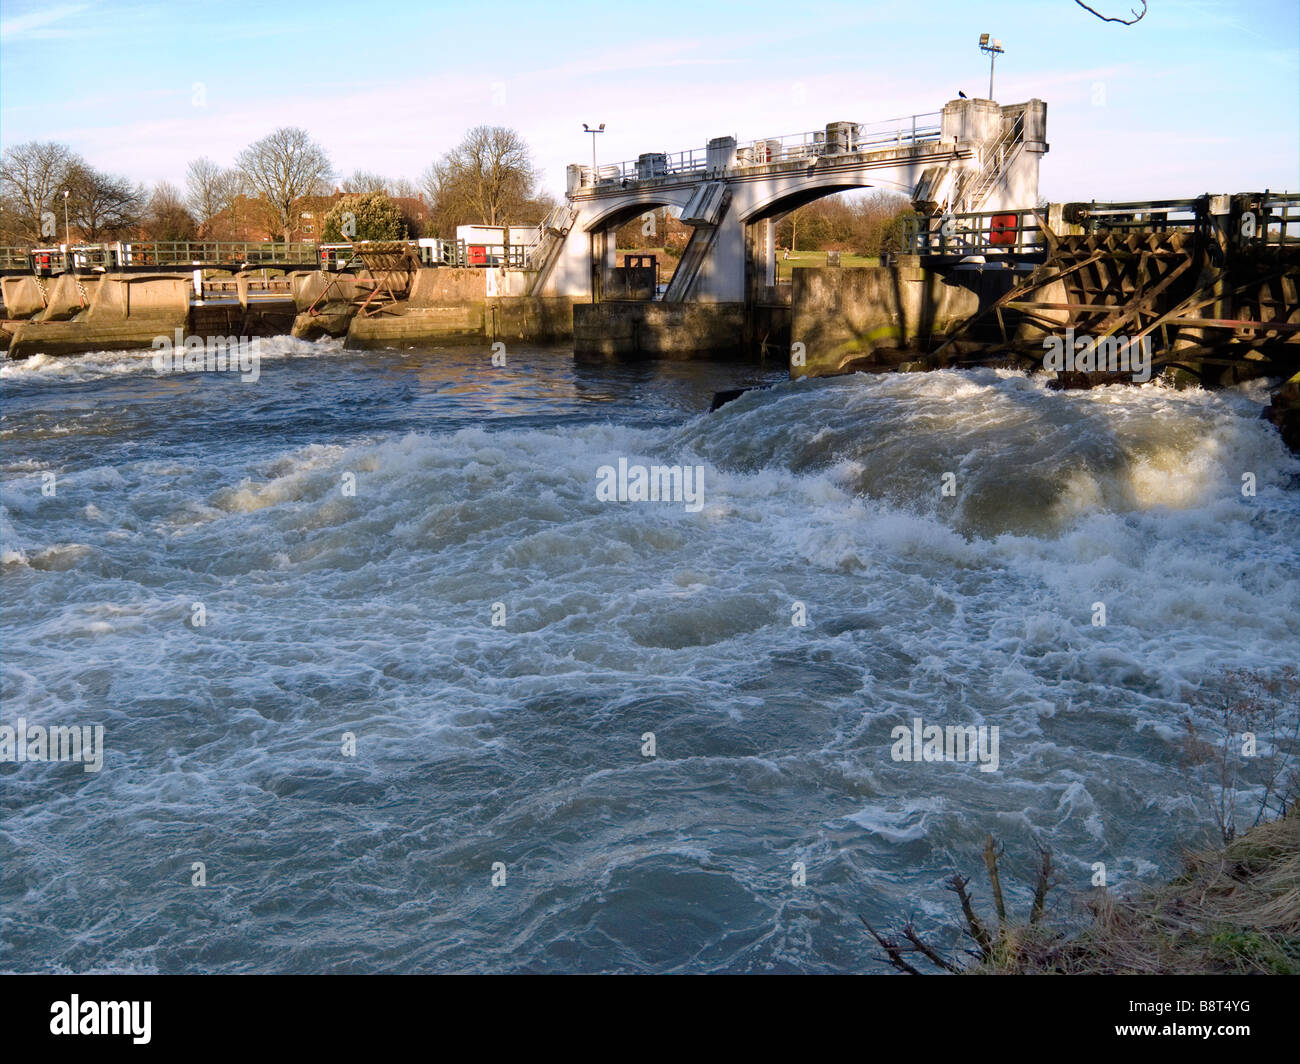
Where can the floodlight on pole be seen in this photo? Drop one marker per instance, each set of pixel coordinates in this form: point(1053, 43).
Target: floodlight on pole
point(67, 226)
point(599, 129)
point(993, 48)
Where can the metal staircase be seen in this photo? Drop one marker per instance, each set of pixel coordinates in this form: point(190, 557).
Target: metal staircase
point(542, 256)
point(975, 184)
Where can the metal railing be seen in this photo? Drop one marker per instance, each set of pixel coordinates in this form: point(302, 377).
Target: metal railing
point(976, 182)
point(510, 256)
point(198, 254)
point(665, 165)
point(434, 251)
point(61, 258)
point(551, 233)
point(1280, 223)
point(848, 139)
point(838, 139)
point(444, 253)
point(1011, 232)
point(1140, 216)
point(1274, 221)
point(186, 252)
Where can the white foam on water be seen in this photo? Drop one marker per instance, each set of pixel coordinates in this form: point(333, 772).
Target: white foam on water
point(371, 613)
point(98, 365)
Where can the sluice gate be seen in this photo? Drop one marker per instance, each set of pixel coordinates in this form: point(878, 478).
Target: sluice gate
point(1212, 295)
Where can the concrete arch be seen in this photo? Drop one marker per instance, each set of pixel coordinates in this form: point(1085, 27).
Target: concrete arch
point(625, 209)
point(808, 191)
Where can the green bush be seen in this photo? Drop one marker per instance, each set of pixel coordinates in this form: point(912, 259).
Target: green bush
point(374, 215)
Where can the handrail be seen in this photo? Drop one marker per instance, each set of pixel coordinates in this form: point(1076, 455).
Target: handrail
point(977, 233)
point(165, 253)
point(993, 160)
point(184, 252)
point(908, 129)
point(334, 256)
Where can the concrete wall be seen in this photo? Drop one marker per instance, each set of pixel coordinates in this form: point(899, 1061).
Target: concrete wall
point(126, 311)
point(658, 330)
point(501, 282)
point(969, 121)
point(530, 318)
point(23, 296)
point(77, 337)
point(875, 316)
point(452, 324)
point(122, 296)
point(69, 296)
point(1017, 188)
point(445, 284)
point(473, 322)
point(448, 306)
point(722, 275)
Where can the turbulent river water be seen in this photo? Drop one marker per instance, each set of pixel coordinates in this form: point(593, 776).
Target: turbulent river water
point(519, 749)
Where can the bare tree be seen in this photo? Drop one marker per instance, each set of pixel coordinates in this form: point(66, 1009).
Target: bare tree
point(362, 183)
point(210, 190)
point(438, 192)
point(33, 177)
point(862, 225)
point(486, 178)
point(281, 169)
point(166, 217)
point(104, 206)
point(401, 188)
point(1137, 15)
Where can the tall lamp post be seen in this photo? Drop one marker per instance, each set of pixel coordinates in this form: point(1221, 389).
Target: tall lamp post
point(599, 129)
point(993, 48)
point(67, 226)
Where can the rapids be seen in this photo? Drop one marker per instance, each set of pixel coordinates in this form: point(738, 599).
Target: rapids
point(329, 613)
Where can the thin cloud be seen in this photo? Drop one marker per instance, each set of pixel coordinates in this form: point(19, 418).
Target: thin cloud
point(37, 24)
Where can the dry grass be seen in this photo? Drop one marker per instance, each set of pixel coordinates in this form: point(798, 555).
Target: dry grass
point(1233, 911)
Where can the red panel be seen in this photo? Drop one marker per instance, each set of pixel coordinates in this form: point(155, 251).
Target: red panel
point(1002, 229)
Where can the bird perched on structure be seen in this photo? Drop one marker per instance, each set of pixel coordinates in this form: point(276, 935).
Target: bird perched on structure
point(961, 94)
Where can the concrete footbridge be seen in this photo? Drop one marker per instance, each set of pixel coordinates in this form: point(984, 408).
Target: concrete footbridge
point(973, 156)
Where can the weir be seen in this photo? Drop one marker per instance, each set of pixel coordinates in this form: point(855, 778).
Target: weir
point(75, 313)
point(972, 153)
point(1207, 285)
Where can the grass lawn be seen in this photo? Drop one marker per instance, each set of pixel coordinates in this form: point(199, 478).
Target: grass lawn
point(818, 258)
point(666, 259)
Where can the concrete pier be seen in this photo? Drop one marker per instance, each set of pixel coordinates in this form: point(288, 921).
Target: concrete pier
point(119, 312)
point(73, 314)
point(659, 330)
point(879, 317)
point(442, 305)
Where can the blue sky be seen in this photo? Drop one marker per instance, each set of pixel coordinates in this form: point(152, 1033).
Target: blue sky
point(1199, 96)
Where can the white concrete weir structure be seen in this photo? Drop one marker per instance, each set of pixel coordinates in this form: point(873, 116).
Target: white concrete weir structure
point(974, 155)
